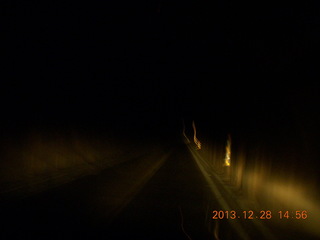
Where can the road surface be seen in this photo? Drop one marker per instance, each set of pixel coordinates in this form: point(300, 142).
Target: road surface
point(155, 196)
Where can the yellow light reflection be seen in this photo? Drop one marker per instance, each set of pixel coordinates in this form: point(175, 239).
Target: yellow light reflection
point(196, 141)
point(227, 159)
point(262, 181)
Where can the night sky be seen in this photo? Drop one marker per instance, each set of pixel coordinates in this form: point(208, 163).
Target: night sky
point(143, 66)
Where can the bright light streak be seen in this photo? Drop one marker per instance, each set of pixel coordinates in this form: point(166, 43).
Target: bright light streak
point(227, 160)
point(262, 183)
point(196, 141)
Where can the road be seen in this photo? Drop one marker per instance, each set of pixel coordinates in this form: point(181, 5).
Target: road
point(155, 196)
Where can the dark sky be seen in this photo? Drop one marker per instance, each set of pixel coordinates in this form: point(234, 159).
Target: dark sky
point(147, 64)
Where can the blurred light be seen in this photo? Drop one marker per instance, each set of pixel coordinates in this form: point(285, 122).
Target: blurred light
point(196, 141)
point(228, 152)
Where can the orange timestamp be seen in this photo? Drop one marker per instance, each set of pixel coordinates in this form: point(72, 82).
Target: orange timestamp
point(263, 214)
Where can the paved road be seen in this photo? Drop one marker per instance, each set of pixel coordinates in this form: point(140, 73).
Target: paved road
point(156, 196)
point(173, 205)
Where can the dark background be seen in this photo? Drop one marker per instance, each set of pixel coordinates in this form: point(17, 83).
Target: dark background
point(142, 66)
